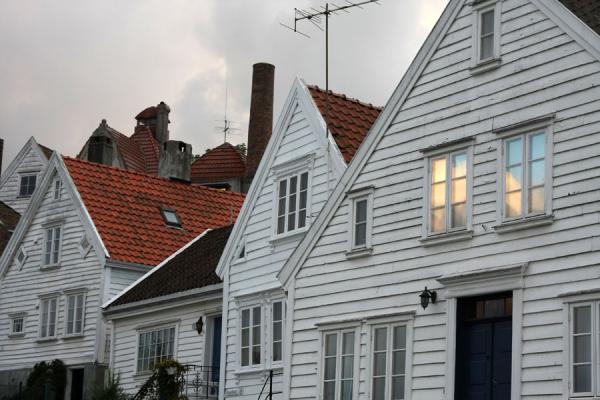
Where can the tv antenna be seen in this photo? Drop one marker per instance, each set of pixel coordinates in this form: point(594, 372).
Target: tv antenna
point(226, 128)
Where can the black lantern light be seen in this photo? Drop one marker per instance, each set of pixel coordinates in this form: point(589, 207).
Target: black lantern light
point(198, 325)
point(426, 296)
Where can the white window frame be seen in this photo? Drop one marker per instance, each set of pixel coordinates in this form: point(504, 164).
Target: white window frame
point(68, 296)
point(43, 334)
point(286, 215)
point(271, 340)
point(288, 170)
point(84, 246)
point(26, 175)
point(261, 324)
point(21, 263)
point(16, 316)
point(479, 8)
point(47, 228)
point(390, 326)
point(151, 328)
point(595, 348)
point(354, 197)
point(339, 330)
point(525, 132)
point(56, 189)
point(464, 146)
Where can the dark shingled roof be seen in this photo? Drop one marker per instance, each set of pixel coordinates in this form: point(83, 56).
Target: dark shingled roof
point(8, 222)
point(193, 268)
point(586, 10)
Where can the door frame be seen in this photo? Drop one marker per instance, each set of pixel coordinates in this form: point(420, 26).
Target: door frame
point(69, 382)
point(209, 319)
point(479, 283)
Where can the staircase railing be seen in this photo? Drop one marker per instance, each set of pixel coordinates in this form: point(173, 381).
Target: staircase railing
point(269, 381)
point(201, 382)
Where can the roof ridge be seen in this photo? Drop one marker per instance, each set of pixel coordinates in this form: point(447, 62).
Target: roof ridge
point(346, 98)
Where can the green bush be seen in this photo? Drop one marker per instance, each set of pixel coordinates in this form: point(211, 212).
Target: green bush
point(111, 390)
point(46, 381)
point(165, 383)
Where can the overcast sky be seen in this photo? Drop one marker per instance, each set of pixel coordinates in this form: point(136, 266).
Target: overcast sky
point(65, 65)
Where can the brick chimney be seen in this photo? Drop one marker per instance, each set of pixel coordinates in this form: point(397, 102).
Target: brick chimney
point(1, 154)
point(175, 160)
point(260, 126)
point(157, 119)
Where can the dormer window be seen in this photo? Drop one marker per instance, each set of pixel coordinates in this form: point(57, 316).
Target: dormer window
point(486, 35)
point(27, 185)
point(171, 218)
point(292, 198)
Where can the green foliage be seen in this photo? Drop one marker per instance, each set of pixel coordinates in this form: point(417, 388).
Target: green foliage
point(165, 383)
point(45, 381)
point(241, 148)
point(111, 390)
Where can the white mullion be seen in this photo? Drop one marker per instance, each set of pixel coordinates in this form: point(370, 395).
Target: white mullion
point(448, 184)
point(287, 206)
point(298, 190)
point(525, 177)
point(388, 368)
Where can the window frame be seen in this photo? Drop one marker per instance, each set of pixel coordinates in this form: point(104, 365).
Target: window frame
point(47, 228)
point(56, 189)
point(594, 349)
point(261, 342)
point(43, 335)
point(354, 197)
point(480, 8)
point(23, 175)
point(390, 326)
point(447, 151)
point(166, 210)
point(271, 341)
point(525, 133)
point(83, 309)
point(339, 331)
point(286, 231)
point(151, 328)
point(13, 317)
point(21, 263)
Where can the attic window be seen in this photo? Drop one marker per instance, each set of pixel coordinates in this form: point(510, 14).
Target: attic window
point(21, 257)
point(242, 253)
point(170, 217)
point(84, 246)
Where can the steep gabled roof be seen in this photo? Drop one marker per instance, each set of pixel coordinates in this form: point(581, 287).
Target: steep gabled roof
point(222, 162)
point(349, 120)
point(125, 208)
point(192, 267)
point(139, 152)
point(8, 221)
point(586, 10)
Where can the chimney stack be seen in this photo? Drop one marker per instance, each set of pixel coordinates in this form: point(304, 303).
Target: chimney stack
point(162, 122)
point(1, 154)
point(260, 126)
point(175, 160)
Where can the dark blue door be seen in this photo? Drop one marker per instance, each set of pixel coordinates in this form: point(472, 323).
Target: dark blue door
point(216, 349)
point(484, 348)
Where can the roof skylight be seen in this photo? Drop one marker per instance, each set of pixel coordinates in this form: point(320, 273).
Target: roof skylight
point(170, 217)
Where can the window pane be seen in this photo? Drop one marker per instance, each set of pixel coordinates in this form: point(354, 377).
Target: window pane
point(255, 354)
point(537, 146)
point(582, 319)
point(438, 170)
point(379, 389)
point(281, 224)
point(245, 318)
point(536, 200)
point(438, 195)
point(256, 316)
point(282, 188)
point(361, 211)
point(245, 357)
point(347, 390)
point(277, 308)
point(582, 375)
point(304, 181)
point(256, 335)
point(459, 165)
point(277, 331)
point(582, 349)
point(400, 337)
point(291, 221)
point(329, 368)
point(303, 200)
point(487, 47)
point(302, 219)
point(331, 344)
point(329, 391)
point(513, 204)
point(398, 362)
point(379, 361)
point(459, 190)
point(277, 351)
point(487, 22)
point(380, 339)
point(348, 343)
point(360, 234)
point(537, 173)
point(514, 178)
point(459, 215)
point(347, 367)
point(398, 388)
point(515, 151)
point(245, 337)
point(438, 220)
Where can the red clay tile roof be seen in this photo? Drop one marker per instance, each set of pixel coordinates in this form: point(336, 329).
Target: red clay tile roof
point(139, 152)
point(349, 120)
point(193, 268)
point(125, 207)
point(586, 10)
point(220, 163)
point(8, 222)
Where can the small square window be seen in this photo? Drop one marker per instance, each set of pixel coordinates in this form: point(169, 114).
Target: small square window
point(27, 185)
point(171, 218)
point(17, 325)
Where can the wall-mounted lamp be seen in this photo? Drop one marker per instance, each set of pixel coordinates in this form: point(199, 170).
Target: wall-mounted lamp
point(198, 325)
point(426, 296)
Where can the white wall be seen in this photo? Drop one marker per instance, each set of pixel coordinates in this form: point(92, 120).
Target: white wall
point(543, 71)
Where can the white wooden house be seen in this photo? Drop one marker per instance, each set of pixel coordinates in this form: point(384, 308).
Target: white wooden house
point(300, 167)
point(88, 233)
point(178, 305)
point(19, 180)
point(480, 182)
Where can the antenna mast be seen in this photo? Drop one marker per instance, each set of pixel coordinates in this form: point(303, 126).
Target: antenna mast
point(227, 127)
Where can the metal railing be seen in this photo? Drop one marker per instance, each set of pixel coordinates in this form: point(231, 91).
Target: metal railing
point(200, 382)
point(269, 381)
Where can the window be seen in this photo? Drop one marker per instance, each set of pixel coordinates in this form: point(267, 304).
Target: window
point(486, 35)
point(525, 175)
point(155, 346)
point(48, 314)
point(84, 246)
point(52, 245)
point(277, 331)
point(388, 372)
point(251, 336)
point(170, 217)
point(17, 324)
point(338, 365)
point(57, 189)
point(27, 186)
point(292, 199)
point(360, 222)
point(21, 257)
point(75, 314)
point(448, 192)
point(584, 353)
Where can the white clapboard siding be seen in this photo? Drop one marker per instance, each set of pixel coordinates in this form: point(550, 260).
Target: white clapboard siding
point(189, 346)
point(264, 258)
point(29, 160)
point(544, 71)
point(20, 290)
point(121, 279)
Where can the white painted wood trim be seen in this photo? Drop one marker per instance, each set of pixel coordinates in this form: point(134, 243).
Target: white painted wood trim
point(288, 345)
point(31, 144)
point(484, 281)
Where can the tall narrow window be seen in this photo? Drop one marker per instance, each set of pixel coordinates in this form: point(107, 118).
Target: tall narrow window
point(524, 175)
point(277, 338)
point(389, 362)
point(27, 185)
point(360, 222)
point(448, 193)
point(582, 345)
point(52, 245)
point(338, 365)
point(57, 189)
point(48, 314)
point(75, 314)
point(292, 199)
point(251, 336)
point(486, 35)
